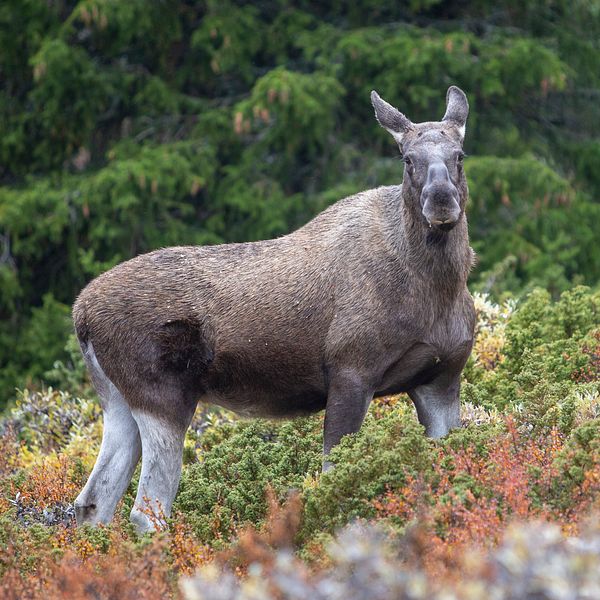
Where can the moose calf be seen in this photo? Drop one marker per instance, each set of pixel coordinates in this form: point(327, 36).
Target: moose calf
point(369, 298)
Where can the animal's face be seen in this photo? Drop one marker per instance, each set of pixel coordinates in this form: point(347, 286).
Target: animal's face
point(433, 157)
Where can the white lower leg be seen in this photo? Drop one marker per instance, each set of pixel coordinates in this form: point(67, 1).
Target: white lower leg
point(438, 407)
point(162, 448)
point(119, 454)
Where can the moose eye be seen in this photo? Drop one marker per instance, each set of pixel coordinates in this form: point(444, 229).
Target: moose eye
point(460, 157)
point(407, 161)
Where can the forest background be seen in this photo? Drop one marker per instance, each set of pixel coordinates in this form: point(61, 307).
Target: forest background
point(128, 126)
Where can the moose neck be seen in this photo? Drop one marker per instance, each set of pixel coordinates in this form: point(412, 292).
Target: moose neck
point(441, 260)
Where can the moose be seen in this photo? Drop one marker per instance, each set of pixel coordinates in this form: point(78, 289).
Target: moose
point(367, 299)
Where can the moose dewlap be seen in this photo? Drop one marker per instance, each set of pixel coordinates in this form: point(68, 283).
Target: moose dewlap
point(368, 298)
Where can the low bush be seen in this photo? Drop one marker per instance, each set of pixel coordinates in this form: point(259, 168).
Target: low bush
point(226, 488)
point(387, 451)
point(532, 561)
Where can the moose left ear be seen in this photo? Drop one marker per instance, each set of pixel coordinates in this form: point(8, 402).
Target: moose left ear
point(390, 118)
point(457, 109)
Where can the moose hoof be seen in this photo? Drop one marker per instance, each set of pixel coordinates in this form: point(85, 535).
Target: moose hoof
point(328, 466)
point(141, 522)
point(85, 513)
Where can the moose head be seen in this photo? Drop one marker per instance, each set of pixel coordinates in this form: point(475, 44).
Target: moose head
point(434, 178)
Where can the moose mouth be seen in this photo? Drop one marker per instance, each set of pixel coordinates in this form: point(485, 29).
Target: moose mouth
point(440, 201)
point(442, 225)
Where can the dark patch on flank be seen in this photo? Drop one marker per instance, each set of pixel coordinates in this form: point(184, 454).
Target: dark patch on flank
point(183, 347)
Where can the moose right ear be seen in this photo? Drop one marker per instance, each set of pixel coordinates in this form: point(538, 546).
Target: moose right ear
point(457, 109)
point(390, 118)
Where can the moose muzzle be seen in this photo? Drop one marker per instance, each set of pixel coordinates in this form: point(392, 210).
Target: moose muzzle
point(439, 198)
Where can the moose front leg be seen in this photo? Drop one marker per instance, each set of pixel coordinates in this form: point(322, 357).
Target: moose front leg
point(348, 400)
point(438, 404)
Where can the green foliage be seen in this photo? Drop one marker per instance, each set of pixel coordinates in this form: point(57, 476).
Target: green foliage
point(579, 459)
point(223, 50)
point(70, 373)
point(544, 350)
point(519, 204)
point(24, 26)
point(51, 420)
point(97, 537)
point(384, 453)
point(135, 31)
point(476, 436)
point(226, 489)
point(282, 97)
point(41, 341)
point(67, 100)
point(541, 323)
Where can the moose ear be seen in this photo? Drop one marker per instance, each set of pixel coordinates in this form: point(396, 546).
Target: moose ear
point(457, 109)
point(390, 118)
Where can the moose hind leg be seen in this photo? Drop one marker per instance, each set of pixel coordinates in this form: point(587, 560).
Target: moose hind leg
point(438, 405)
point(162, 449)
point(119, 453)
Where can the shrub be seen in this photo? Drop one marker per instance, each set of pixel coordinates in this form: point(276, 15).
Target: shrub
point(576, 485)
point(547, 347)
point(385, 452)
point(482, 478)
point(51, 419)
point(44, 492)
point(534, 561)
point(227, 487)
point(133, 575)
